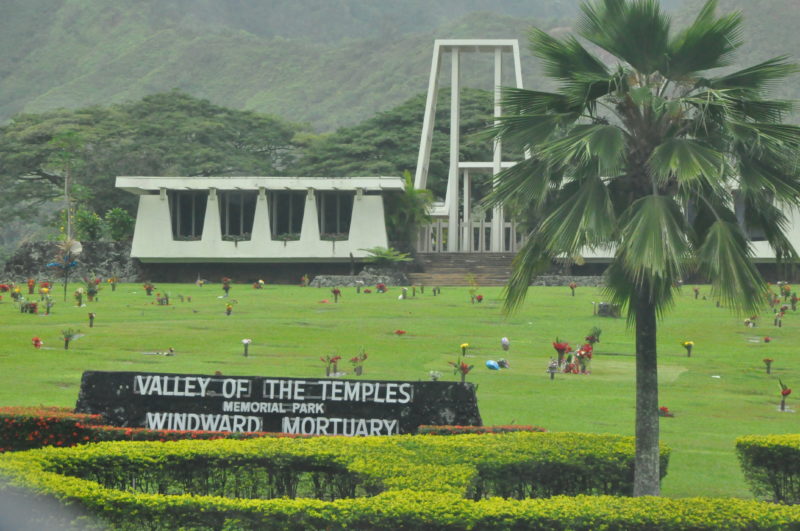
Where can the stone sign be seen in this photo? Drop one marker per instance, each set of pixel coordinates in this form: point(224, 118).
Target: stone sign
point(290, 405)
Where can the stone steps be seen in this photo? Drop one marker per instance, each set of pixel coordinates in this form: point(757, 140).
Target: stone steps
point(453, 269)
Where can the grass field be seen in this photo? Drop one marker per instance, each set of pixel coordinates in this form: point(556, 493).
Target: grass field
point(719, 393)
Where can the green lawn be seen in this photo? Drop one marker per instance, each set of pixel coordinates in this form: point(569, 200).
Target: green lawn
point(719, 393)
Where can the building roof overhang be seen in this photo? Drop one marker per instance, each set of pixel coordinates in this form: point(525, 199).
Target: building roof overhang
point(144, 185)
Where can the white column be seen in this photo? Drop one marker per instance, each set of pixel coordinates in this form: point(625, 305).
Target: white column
point(466, 228)
point(497, 212)
point(455, 141)
point(424, 156)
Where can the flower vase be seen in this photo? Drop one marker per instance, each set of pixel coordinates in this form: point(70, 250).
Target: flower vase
point(113, 286)
point(783, 404)
point(560, 358)
point(688, 351)
point(358, 370)
point(66, 344)
point(327, 371)
point(245, 349)
point(335, 369)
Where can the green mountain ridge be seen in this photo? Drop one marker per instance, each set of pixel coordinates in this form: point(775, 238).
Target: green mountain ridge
point(327, 63)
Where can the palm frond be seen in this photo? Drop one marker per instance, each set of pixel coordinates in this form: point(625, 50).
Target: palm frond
point(527, 182)
point(636, 32)
point(622, 290)
point(755, 78)
point(653, 240)
point(566, 59)
point(528, 129)
point(760, 213)
point(606, 143)
point(762, 173)
point(533, 258)
point(707, 43)
point(523, 101)
point(687, 160)
point(585, 217)
point(724, 258)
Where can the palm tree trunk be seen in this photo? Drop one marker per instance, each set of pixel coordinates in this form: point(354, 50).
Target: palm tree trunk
point(646, 473)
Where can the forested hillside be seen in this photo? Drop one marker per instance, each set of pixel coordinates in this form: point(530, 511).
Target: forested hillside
point(323, 62)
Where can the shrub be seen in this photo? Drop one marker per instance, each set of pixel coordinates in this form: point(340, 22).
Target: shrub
point(771, 466)
point(460, 430)
point(120, 224)
point(31, 427)
point(88, 225)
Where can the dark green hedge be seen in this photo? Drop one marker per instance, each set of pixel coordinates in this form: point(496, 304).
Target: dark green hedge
point(771, 465)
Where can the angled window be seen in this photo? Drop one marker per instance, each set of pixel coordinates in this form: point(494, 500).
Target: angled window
point(187, 212)
point(334, 211)
point(286, 211)
point(237, 209)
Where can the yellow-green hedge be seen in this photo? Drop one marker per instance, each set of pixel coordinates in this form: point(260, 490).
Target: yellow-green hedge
point(771, 465)
point(403, 482)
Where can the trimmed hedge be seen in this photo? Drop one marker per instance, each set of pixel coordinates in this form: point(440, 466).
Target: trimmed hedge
point(771, 465)
point(459, 430)
point(26, 428)
point(205, 483)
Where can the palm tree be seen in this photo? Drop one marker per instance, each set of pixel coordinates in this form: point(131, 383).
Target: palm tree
point(648, 159)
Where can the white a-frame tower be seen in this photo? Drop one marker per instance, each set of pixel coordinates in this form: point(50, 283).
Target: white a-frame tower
point(460, 233)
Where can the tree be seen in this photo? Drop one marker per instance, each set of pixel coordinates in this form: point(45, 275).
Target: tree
point(406, 212)
point(388, 143)
point(162, 134)
point(651, 157)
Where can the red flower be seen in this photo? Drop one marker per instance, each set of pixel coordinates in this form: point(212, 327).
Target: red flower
point(37, 342)
point(767, 339)
point(399, 332)
point(479, 298)
point(561, 346)
point(786, 392)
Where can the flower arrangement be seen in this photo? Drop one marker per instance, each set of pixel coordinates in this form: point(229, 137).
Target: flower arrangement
point(479, 298)
point(785, 391)
point(400, 332)
point(768, 363)
point(336, 292)
point(78, 297)
point(226, 285)
point(688, 345)
point(16, 294)
point(148, 287)
point(5, 288)
point(228, 309)
point(552, 368)
point(584, 358)
point(505, 343)
point(246, 343)
point(462, 368)
point(358, 362)
point(786, 291)
point(767, 339)
point(37, 342)
point(31, 285)
point(69, 334)
point(594, 336)
point(562, 347)
point(572, 286)
point(434, 375)
point(381, 287)
point(331, 364)
point(112, 281)
point(92, 315)
point(367, 290)
point(696, 291)
point(304, 281)
point(464, 347)
point(664, 411)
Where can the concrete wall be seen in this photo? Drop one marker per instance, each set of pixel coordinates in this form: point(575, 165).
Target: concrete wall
point(153, 242)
